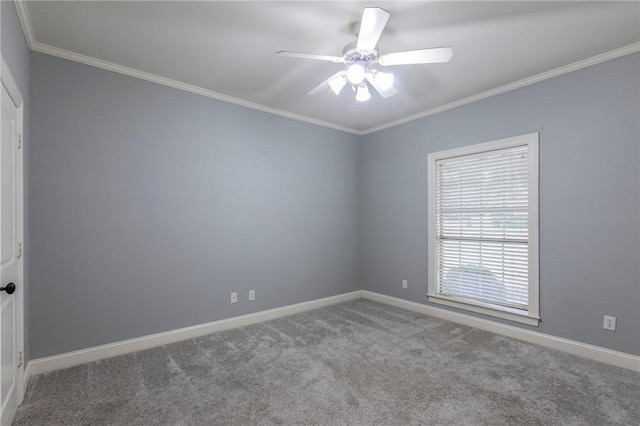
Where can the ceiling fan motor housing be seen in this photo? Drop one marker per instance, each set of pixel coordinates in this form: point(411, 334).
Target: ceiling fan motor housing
point(352, 55)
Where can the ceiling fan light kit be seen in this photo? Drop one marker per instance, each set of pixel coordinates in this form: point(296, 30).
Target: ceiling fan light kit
point(362, 94)
point(360, 56)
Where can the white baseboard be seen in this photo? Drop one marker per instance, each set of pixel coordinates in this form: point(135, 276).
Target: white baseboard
point(26, 376)
point(607, 356)
point(83, 356)
point(71, 359)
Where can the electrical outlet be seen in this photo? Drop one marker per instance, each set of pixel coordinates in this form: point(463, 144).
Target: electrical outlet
point(609, 323)
point(234, 297)
point(404, 283)
point(252, 295)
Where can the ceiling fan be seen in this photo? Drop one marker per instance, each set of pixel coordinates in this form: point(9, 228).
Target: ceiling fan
point(361, 57)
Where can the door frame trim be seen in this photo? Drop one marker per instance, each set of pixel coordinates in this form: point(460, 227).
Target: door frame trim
point(9, 83)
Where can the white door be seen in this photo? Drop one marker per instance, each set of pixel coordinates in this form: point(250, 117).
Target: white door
point(11, 262)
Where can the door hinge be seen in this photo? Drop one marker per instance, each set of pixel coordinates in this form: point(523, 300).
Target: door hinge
point(20, 245)
point(20, 359)
point(20, 141)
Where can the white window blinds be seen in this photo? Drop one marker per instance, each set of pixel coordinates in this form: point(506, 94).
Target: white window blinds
point(482, 231)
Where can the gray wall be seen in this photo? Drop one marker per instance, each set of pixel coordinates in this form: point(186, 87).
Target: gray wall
point(16, 52)
point(589, 190)
point(150, 205)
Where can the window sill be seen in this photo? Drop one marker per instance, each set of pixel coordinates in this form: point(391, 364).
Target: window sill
point(515, 315)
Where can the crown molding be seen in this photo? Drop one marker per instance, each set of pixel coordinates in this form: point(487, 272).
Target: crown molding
point(9, 83)
point(626, 50)
point(27, 28)
point(25, 21)
point(131, 72)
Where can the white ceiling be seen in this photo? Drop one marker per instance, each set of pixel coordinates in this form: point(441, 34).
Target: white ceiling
point(226, 49)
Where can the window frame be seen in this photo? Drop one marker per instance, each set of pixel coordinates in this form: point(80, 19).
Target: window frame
point(532, 315)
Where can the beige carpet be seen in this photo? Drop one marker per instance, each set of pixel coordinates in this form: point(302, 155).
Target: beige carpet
point(356, 363)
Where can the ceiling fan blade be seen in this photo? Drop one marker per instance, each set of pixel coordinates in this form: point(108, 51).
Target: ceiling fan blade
point(373, 22)
point(310, 56)
point(327, 84)
point(386, 90)
point(423, 56)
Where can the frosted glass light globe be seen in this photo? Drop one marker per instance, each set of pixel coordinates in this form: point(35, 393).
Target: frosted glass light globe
point(363, 95)
point(355, 74)
point(337, 83)
point(384, 80)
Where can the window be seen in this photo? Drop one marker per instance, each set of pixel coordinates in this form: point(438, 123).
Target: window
point(483, 228)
